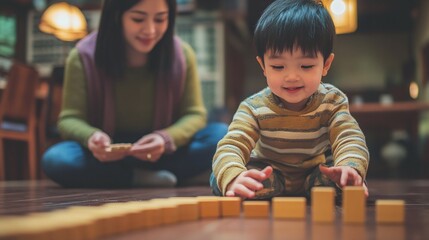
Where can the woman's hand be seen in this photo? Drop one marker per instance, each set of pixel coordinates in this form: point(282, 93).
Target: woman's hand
point(343, 176)
point(148, 148)
point(248, 182)
point(98, 143)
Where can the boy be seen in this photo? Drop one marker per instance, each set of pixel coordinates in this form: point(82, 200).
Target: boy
point(281, 139)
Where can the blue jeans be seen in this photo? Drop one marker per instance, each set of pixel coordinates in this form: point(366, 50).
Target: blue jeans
point(71, 165)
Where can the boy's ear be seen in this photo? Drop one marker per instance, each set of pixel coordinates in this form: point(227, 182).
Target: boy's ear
point(261, 63)
point(327, 64)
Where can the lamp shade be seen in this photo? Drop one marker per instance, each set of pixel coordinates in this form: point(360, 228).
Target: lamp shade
point(343, 13)
point(64, 21)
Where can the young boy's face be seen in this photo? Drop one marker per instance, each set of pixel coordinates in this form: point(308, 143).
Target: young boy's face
point(293, 76)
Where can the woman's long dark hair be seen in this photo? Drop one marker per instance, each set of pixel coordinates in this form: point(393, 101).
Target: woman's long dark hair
point(110, 53)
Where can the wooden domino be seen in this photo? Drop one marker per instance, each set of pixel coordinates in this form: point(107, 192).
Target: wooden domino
point(22, 227)
point(230, 206)
point(322, 204)
point(289, 207)
point(169, 210)
point(187, 207)
point(209, 206)
point(389, 211)
point(256, 209)
point(354, 204)
point(98, 222)
point(119, 147)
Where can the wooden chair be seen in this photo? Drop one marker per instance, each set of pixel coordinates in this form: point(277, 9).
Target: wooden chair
point(48, 131)
point(18, 116)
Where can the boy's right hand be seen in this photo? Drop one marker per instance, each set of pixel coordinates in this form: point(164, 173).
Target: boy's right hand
point(248, 182)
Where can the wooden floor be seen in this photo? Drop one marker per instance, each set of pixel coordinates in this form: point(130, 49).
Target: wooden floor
point(21, 197)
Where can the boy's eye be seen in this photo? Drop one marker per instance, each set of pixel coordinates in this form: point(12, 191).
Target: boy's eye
point(307, 66)
point(277, 67)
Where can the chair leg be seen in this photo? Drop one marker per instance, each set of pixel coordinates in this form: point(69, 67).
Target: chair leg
point(32, 159)
point(2, 162)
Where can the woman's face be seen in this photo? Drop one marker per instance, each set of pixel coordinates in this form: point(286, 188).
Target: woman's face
point(144, 24)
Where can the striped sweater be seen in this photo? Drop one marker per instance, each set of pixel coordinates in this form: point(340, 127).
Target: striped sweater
point(292, 142)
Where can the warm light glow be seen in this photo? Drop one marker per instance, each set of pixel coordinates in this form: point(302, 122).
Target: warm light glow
point(64, 21)
point(414, 90)
point(343, 13)
point(338, 7)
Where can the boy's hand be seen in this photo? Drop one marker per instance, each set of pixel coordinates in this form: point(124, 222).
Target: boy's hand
point(248, 182)
point(343, 176)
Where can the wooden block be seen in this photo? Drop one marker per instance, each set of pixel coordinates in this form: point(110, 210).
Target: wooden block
point(256, 209)
point(289, 207)
point(74, 224)
point(50, 225)
point(101, 226)
point(188, 209)
point(117, 147)
point(354, 204)
point(65, 224)
point(209, 206)
point(149, 214)
point(323, 204)
point(169, 209)
point(389, 211)
point(115, 216)
point(230, 206)
point(22, 227)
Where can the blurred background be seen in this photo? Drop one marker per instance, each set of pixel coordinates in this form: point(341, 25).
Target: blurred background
point(381, 63)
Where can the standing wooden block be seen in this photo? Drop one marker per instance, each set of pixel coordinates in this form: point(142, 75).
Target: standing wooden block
point(75, 224)
point(389, 211)
point(322, 204)
point(354, 204)
point(209, 206)
point(23, 227)
point(256, 209)
point(289, 207)
point(143, 214)
point(187, 208)
point(100, 226)
point(230, 206)
point(169, 210)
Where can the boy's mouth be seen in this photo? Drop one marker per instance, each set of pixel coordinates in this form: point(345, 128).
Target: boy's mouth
point(292, 89)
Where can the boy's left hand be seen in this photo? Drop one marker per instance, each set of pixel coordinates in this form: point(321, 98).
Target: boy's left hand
point(343, 176)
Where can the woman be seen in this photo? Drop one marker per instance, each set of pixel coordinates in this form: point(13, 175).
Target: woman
point(134, 82)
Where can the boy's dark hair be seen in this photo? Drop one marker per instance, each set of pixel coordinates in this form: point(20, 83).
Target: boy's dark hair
point(110, 53)
point(287, 24)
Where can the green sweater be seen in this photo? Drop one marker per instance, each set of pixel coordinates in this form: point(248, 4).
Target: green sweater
point(133, 99)
point(292, 142)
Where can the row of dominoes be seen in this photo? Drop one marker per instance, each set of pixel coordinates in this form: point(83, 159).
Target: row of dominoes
point(92, 222)
point(323, 204)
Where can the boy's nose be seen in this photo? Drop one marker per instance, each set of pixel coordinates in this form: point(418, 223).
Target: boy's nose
point(291, 77)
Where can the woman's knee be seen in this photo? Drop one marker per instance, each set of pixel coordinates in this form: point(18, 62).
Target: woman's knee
point(213, 132)
point(61, 156)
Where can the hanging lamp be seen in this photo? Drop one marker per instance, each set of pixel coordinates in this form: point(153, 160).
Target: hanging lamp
point(343, 13)
point(64, 21)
